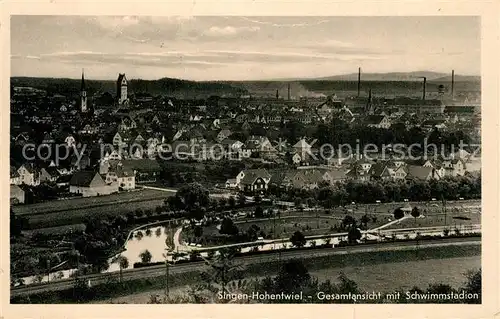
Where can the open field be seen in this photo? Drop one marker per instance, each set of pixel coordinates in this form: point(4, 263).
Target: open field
point(58, 230)
point(90, 202)
point(75, 216)
point(440, 220)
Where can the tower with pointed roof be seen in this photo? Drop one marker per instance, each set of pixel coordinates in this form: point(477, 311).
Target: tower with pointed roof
point(83, 96)
point(121, 88)
point(370, 109)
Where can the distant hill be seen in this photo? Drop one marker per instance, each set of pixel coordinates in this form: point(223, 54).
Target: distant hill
point(165, 86)
point(394, 76)
point(391, 76)
point(459, 78)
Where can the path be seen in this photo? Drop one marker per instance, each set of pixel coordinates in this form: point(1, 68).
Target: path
point(173, 190)
point(397, 221)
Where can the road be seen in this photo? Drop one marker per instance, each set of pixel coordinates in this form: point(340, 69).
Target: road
point(173, 190)
point(157, 271)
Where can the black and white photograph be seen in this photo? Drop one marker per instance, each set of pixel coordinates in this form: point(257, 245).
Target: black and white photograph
point(234, 159)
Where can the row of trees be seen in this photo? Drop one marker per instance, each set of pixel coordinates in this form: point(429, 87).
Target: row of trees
point(341, 193)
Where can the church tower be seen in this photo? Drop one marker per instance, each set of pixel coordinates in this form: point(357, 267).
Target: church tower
point(83, 96)
point(369, 108)
point(121, 88)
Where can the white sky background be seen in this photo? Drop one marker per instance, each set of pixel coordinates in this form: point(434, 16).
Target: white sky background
point(240, 48)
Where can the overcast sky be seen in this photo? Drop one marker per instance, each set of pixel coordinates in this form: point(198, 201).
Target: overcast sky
point(240, 48)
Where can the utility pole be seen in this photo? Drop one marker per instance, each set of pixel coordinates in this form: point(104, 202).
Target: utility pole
point(167, 267)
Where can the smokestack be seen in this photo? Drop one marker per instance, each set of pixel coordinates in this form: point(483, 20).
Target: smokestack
point(452, 84)
point(359, 80)
point(277, 95)
point(425, 82)
point(288, 91)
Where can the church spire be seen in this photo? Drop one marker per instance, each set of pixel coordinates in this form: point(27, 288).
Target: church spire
point(83, 82)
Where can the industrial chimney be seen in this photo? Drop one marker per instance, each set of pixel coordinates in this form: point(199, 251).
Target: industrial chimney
point(359, 80)
point(277, 94)
point(452, 84)
point(289, 91)
point(425, 84)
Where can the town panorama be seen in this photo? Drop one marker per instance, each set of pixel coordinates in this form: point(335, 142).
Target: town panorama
point(353, 187)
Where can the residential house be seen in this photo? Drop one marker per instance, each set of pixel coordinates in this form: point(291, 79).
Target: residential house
point(125, 177)
point(253, 183)
point(17, 195)
point(232, 148)
point(49, 174)
point(70, 141)
point(29, 174)
point(334, 175)
point(146, 170)
point(231, 183)
point(302, 148)
point(262, 173)
point(358, 173)
point(90, 183)
point(81, 163)
point(400, 173)
point(454, 167)
point(88, 129)
point(382, 171)
point(63, 180)
point(15, 178)
point(223, 134)
point(365, 164)
point(127, 124)
point(378, 121)
point(421, 173)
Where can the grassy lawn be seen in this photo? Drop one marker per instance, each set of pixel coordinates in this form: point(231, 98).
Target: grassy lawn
point(440, 219)
point(75, 216)
point(89, 202)
point(57, 230)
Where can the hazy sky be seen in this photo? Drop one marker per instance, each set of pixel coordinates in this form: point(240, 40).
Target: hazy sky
point(240, 48)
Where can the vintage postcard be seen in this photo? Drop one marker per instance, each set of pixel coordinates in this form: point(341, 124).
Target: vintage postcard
point(264, 158)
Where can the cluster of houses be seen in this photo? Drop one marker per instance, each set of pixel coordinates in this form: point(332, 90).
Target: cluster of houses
point(362, 169)
point(132, 132)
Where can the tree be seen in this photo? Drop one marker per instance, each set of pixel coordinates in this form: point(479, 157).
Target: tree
point(192, 196)
point(353, 235)
point(364, 220)
point(348, 221)
point(292, 277)
point(228, 227)
point(123, 263)
point(222, 268)
point(298, 239)
point(253, 232)
point(347, 285)
point(259, 212)
point(145, 256)
point(242, 199)
point(232, 201)
point(473, 284)
point(398, 213)
point(257, 199)
point(415, 212)
point(17, 224)
point(198, 231)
